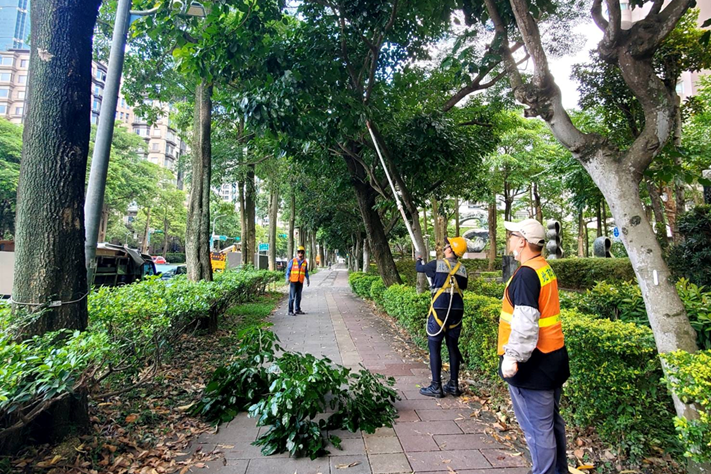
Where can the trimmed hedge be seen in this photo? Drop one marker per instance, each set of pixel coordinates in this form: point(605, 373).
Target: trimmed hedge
point(474, 265)
point(615, 382)
point(360, 283)
point(583, 273)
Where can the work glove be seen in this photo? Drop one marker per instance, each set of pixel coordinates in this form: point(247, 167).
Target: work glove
point(418, 255)
point(509, 367)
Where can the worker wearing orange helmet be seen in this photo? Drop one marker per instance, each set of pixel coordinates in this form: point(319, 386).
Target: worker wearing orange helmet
point(448, 278)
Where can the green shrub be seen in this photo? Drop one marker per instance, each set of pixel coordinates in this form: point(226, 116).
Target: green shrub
point(615, 383)
point(622, 300)
point(410, 309)
point(361, 282)
point(583, 273)
point(474, 265)
point(406, 269)
point(175, 257)
point(480, 329)
point(496, 274)
point(492, 289)
point(697, 302)
point(377, 290)
point(691, 258)
point(689, 376)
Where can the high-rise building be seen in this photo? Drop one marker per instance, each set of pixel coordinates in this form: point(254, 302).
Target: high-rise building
point(14, 24)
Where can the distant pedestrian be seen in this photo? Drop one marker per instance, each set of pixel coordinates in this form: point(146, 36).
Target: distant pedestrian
point(449, 278)
point(296, 272)
point(532, 354)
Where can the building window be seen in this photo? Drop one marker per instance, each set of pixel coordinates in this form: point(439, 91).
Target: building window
point(24, 63)
point(121, 115)
point(3, 109)
point(21, 95)
point(98, 90)
point(19, 110)
point(156, 132)
point(5, 77)
point(123, 102)
point(680, 88)
point(154, 146)
point(4, 92)
point(22, 79)
point(96, 105)
point(8, 61)
point(94, 119)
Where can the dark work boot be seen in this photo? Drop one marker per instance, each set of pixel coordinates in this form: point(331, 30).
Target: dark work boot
point(452, 388)
point(434, 390)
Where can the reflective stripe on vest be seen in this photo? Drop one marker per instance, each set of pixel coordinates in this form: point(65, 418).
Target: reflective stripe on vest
point(550, 331)
point(450, 277)
point(298, 271)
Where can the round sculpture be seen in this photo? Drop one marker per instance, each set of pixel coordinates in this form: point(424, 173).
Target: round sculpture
point(601, 247)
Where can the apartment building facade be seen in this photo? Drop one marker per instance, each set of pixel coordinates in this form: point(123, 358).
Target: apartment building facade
point(14, 24)
point(164, 145)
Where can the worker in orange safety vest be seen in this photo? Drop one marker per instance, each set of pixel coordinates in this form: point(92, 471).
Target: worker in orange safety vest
point(296, 272)
point(533, 359)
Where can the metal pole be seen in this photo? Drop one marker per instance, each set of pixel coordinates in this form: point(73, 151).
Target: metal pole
point(395, 193)
point(104, 135)
point(212, 235)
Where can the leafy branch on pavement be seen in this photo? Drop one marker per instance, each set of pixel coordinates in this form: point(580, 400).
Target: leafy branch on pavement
point(291, 391)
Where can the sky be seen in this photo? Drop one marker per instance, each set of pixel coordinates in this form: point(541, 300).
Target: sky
point(561, 68)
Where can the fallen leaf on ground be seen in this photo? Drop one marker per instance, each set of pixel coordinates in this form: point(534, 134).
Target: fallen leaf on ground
point(572, 470)
point(579, 453)
point(131, 418)
point(346, 466)
point(586, 467)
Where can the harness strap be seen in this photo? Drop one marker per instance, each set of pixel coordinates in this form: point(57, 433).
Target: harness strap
point(445, 287)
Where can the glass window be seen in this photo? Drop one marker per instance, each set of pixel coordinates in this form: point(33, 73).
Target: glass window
point(20, 94)
point(7, 61)
point(156, 132)
point(22, 79)
point(5, 77)
point(94, 119)
point(24, 63)
point(121, 115)
point(3, 109)
point(4, 92)
point(19, 110)
point(96, 105)
point(154, 146)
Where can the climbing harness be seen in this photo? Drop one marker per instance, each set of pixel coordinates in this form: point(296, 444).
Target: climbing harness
point(451, 285)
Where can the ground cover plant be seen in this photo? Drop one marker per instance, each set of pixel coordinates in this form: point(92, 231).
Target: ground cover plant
point(136, 377)
point(288, 391)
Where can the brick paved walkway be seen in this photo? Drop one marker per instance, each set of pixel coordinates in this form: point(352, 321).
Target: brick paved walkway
point(431, 436)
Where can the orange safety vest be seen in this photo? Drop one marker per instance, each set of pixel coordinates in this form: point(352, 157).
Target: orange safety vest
point(298, 271)
point(550, 330)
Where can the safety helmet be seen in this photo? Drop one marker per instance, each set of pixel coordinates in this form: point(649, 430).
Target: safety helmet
point(301, 249)
point(458, 244)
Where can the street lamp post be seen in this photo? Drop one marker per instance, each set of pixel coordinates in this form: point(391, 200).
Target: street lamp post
point(212, 235)
point(107, 116)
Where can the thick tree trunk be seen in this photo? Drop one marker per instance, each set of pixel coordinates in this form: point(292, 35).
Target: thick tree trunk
point(312, 248)
point(492, 222)
point(322, 254)
point(273, 214)
point(581, 234)
point(250, 201)
point(357, 254)
point(366, 255)
point(49, 240)
point(373, 225)
point(197, 230)
point(292, 220)
point(147, 232)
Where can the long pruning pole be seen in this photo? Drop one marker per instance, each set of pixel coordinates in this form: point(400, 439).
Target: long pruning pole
point(395, 193)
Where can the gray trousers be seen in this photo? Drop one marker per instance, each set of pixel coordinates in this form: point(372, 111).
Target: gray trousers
point(538, 414)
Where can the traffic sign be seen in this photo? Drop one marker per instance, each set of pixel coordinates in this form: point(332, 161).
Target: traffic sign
point(263, 247)
point(616, 233)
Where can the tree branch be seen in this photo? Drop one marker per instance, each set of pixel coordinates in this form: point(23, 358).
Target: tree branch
point(614, 27)
point(597, 16)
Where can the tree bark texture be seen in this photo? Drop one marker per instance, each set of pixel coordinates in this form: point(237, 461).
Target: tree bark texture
point(292, 220)
point(660, 225)
point(49, 239)
point(147, 232)
point(312, 248)
point(581, 234)
point(273, 215)
point(598, 216)
point(366, 255)
point(492, 222)
point(250, 202)
point(49, 260)
point(197, 231)
point(373, 225)
point(357, 254)
point(244, 232)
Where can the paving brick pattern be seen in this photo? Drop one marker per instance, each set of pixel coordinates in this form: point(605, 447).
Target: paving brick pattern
point(430, 436)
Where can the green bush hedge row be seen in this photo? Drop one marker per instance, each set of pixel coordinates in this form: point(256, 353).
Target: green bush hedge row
point(615, 383)
point(584, 273)
point(130, 326)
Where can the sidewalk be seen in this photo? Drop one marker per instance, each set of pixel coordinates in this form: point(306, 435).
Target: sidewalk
point(430, 436)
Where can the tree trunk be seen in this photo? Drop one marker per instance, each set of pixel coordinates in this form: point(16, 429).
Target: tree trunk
point(680, 202)
point(273, 215)
point(587, 241)
point(49, 240)
point(357, 254)
point(670, 210)
point(292, 220)
point(598, 216)
point(660, 225)
point(366, 256)
point(250, 201)
point(604, 219)
point(373, 225)
point(147, 232)
point(244, 233)
point(456, 217)
point(322, 254)
point(197, 230)
point(312, 248)
point(537, 203)
point(581, 234)
point(492, 223)
point(439, 235)
point(165, 234)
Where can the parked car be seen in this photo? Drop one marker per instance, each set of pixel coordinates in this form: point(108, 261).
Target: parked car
point(159, 260)
point(169, 271)
point(281, 265)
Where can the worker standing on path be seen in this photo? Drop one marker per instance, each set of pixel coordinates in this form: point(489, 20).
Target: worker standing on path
point(449, 278)
point(532, 355)
point(296, 272)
